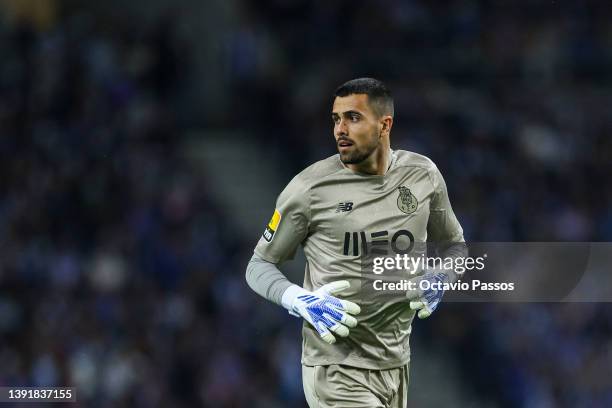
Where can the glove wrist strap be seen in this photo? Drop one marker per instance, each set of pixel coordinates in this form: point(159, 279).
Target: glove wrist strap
point(289, 296)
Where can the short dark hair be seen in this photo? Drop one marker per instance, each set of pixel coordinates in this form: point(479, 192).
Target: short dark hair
point(379, 96)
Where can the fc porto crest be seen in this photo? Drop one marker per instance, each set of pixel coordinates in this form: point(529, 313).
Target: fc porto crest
point(406, 201)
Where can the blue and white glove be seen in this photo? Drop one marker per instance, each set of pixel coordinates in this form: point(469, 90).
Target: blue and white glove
point(427, 300)
point(323, 311)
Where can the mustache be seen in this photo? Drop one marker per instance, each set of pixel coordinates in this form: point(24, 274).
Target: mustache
point(344, 139)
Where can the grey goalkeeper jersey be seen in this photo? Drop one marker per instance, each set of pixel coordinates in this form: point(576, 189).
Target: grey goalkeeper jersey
point(339, 216)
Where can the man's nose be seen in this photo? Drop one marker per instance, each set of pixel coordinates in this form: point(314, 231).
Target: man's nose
point(341, 128)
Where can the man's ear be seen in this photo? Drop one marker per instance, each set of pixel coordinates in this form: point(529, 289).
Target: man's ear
point(386, 122)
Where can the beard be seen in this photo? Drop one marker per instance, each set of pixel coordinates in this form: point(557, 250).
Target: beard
point(358, 154)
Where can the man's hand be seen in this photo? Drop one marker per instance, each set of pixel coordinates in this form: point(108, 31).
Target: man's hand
point(323, 311)
point(426, 301)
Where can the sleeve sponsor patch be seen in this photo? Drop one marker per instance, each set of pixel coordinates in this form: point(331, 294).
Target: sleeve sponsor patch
point(272, 226)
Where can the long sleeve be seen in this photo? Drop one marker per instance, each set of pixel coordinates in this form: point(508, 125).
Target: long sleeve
point(266, 279)
point(444, 229)
point(286, 230)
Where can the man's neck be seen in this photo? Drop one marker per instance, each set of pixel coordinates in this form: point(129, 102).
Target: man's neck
point(376, 164)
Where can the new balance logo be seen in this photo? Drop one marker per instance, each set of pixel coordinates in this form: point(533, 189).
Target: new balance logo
point(344, 207)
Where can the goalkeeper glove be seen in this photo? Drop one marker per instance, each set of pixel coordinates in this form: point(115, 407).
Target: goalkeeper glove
point(323, 311)
point(428, 300)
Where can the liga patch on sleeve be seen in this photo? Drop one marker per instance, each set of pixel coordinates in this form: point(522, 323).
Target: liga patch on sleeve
point(272, 226)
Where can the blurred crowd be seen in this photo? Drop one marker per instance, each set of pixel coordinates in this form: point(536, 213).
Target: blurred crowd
point(110, 241)
point(119, 273)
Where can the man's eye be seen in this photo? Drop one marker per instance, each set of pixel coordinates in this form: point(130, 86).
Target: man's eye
point(354, 118)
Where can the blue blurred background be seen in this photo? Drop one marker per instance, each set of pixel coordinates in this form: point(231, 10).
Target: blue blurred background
point(143, 144)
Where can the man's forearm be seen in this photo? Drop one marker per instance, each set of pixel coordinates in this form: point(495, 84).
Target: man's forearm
point(453, 250)
point(425, 301)
point(266, 279)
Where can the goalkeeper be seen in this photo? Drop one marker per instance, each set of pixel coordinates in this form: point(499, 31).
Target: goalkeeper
point(367, 199)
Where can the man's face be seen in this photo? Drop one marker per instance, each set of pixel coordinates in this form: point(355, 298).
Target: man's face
point(357, 128)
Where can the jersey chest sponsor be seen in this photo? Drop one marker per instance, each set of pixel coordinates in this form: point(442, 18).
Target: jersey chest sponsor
point(378, 243)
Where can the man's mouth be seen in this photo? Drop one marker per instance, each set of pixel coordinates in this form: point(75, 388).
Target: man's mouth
point(344, 143)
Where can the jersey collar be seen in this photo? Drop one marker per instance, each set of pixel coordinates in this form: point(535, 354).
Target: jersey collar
point(392, 155)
